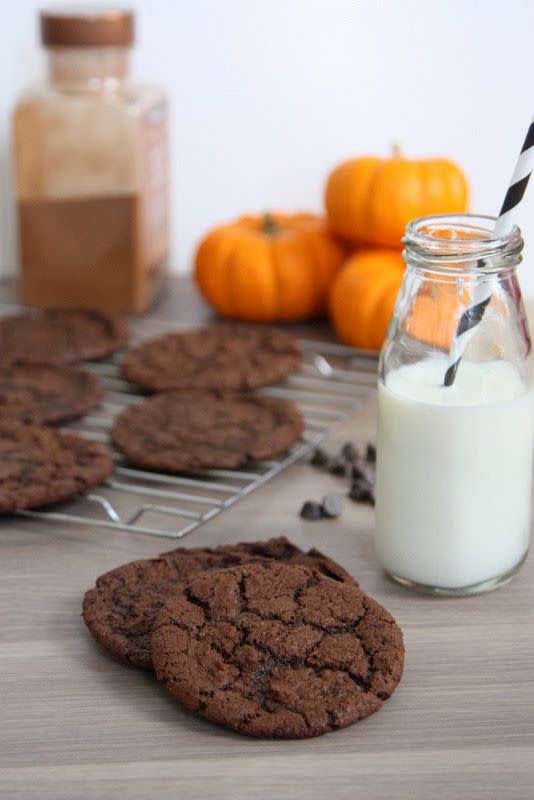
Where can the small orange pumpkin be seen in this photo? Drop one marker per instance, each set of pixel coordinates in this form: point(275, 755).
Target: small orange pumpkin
point(437, 308)
point(363, 296)
point(434, 320)
point(273, 268)
point(370, 200)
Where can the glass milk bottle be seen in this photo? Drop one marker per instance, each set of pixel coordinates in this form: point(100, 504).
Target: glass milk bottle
point(454, 463)
point(91, 169)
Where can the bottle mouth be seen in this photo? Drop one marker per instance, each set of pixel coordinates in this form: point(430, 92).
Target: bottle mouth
point(461, 241)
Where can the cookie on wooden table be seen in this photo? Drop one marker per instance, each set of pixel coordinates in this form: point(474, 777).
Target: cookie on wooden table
point(61, 336)
point(229, 356)
point(190, 430)
point(61, 392)
point(272, 650)
point(39, 466)
point(121, 609)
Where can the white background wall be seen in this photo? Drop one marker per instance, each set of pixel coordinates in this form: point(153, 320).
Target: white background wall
point(267, 95)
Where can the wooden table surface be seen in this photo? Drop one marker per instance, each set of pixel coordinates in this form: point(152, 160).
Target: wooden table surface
point(75, 723)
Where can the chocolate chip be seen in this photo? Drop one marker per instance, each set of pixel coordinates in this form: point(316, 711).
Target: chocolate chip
point(349, 452)
point(338, 466)
point(357, 473)
point(370, 454)
point(319, 457)
point(332, 505)
point(311, 510)
point(361, 491)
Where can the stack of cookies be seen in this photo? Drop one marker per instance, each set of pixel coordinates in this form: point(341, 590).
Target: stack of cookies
point(258, 637)
point(39, 388)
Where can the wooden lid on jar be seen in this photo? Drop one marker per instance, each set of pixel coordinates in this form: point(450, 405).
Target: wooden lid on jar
point(87, 26)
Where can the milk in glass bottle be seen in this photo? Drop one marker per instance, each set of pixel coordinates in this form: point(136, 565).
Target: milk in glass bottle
point(454, 463)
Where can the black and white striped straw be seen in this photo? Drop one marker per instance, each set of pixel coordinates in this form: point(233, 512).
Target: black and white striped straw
point(505, 221)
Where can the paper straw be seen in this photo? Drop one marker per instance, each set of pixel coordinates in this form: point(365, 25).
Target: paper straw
point(505, 222)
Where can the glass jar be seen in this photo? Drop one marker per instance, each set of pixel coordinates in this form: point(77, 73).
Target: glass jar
point(90, 151)
point(454, 463)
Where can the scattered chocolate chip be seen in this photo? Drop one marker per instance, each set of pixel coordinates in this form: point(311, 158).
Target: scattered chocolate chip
point(361, 491)
point(319, 457)
point(332, 505)
point(370, 454)
point(338, 466)
point(311, 510)
point(357, 473)
point(349, 452)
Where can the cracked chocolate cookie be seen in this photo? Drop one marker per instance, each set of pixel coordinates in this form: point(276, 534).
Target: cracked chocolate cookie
point(39, 466)
point(60, 392)
point(272, 650)
point(121, 609)
point(181, 431)
point(225, 356)
point(60, 336)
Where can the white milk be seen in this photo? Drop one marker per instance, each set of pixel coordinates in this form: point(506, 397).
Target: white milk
point(454, 472)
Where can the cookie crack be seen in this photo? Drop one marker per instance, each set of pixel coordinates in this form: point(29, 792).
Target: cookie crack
point(241, 588)
point(196, 601)
point(312, 580)
point(302, 662)
point(363, 684)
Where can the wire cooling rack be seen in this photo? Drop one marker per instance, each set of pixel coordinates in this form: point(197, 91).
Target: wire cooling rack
point(329, 387)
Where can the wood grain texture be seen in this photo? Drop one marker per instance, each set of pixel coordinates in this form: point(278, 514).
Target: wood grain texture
point(75, 723)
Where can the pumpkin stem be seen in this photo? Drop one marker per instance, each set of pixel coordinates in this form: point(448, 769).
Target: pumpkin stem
point(396, 150)
point(269, 225)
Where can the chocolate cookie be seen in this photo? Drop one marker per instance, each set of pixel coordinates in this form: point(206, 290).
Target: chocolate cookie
point(61, 392)
point(61, 336)
point(18, 407)
point(180, 431)
point(272, 650)
point(227, 356)
point(121, 609)
point(39, 466)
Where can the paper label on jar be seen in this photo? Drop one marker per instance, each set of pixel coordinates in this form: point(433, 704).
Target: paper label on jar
point(154, 185)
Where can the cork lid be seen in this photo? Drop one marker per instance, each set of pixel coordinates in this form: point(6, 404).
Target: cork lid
point(91, 25)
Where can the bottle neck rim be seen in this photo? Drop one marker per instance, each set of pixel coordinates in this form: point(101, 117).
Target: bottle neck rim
point(455, 243)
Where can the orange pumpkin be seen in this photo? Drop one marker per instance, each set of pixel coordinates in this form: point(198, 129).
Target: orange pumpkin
point(363, 296)
point(371, 200)
point(276, 267)
point(435, 315)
